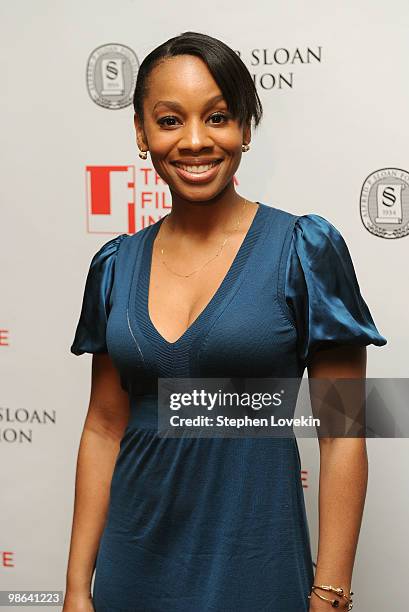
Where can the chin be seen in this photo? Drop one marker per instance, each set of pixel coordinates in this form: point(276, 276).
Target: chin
point(198, 195)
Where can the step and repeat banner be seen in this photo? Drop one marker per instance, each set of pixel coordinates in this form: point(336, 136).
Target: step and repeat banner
point(333, 141)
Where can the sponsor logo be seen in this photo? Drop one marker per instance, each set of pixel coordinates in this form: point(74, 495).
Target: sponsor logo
point(111, 75)
point(384, 203)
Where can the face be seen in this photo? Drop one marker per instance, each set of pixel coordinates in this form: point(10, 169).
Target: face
point(194, 143)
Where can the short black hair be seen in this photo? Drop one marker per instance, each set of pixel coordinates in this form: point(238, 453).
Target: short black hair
point(228, 70)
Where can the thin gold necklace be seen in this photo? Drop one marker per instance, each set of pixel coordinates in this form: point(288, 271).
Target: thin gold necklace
point(211, 259)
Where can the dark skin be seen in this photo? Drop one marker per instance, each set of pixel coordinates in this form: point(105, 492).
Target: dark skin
point(202, 215)
point(342, 482)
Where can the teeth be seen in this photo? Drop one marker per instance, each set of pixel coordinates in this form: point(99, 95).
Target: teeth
point(196, 169)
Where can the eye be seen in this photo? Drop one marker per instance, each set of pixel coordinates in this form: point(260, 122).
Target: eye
point(162, 121)
point(222, 115)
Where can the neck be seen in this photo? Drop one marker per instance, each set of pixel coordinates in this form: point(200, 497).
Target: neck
point(202, 218)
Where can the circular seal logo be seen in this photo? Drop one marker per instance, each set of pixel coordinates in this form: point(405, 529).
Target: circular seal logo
point(384, 203)
point(111, 75)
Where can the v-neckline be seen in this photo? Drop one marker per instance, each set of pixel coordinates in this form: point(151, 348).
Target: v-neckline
point(146, 267)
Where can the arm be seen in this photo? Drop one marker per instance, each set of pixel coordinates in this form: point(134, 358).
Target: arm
point(342, 484)
point(107, 417)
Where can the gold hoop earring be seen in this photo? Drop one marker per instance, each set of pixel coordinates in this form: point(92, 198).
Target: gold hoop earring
point(245, 148)
point(143, 154)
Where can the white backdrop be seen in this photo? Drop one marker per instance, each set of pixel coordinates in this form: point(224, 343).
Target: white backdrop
point(328, 124)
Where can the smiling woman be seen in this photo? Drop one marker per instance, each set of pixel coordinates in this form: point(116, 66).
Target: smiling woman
point(195, 140)
point(220, 287)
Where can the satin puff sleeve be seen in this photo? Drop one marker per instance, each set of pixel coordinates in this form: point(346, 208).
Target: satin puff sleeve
point(91, 328)
point(322, 291)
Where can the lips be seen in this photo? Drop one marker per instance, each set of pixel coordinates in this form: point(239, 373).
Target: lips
point(196, 168)
point(191, 161)
point(200, 174)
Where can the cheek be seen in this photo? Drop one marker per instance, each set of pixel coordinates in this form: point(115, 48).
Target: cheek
point(160, 141)
point(162, 145)
point(230, 142)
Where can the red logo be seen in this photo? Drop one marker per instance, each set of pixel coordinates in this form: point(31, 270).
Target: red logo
point(124, 199)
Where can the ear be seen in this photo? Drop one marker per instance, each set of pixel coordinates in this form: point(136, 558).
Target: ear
point(140, 133)
point(247, 134)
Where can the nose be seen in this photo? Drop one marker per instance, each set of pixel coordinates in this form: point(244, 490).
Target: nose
point(195, 136)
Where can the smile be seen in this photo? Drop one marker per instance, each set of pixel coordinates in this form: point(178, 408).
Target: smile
point(196, 169)
point(197, 172)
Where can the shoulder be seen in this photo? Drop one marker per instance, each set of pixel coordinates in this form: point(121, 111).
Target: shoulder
point(103, 261)
point(316, 235)
point(110, 248)
point(305, 223)
point(311, 229)
point(313, 224)
point(317, 248)
point(278, 213)
point(319, 255)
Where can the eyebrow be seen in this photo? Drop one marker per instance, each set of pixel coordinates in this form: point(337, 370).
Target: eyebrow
point(177, 106)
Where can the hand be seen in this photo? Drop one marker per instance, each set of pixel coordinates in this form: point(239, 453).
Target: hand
point(318, 605)
point(78, 602)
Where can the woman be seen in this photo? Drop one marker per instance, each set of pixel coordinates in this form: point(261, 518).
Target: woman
point(219, 287)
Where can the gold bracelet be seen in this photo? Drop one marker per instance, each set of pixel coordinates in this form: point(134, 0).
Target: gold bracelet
point(334, 602)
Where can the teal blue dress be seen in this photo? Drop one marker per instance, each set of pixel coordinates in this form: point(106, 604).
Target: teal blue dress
point(216, 524)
